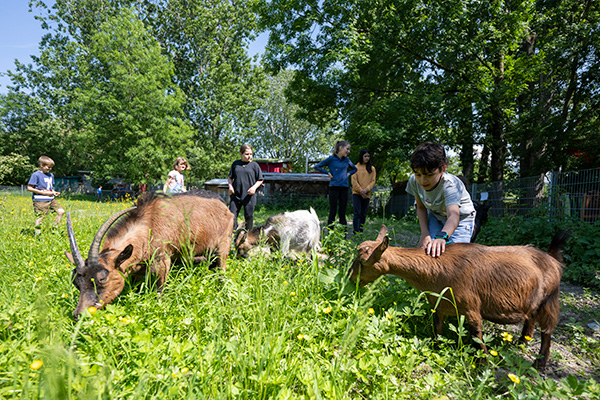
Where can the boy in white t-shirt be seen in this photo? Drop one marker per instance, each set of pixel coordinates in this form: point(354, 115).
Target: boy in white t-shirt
point(444, 208)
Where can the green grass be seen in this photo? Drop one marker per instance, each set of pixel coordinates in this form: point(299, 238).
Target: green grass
point(267, 328)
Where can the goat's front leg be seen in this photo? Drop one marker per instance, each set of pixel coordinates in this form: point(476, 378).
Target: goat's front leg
point(161, 266)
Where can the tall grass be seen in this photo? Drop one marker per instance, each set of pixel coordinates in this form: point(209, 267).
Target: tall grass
point(266, 328)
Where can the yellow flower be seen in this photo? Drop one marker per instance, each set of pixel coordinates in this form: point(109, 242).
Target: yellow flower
point(92, 310)
point(285, 282)
point(174, 375)
point(292, 293)
point(371, 311)
point(125, 320)
point(37, 364)
point(327, 310)
point(39, 278)
point(494, 353)
point(184, 370)
point(432, 310)
point(300, 337)
point(388, 316)
point(514, 378)
point(64, 295)
point(508, 337)
point(528, 338)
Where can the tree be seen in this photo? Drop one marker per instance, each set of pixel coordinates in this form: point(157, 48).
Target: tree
point(281, 134)
point(399, 72)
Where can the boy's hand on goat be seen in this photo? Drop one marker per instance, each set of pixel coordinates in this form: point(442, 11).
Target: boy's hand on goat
point(436, 247)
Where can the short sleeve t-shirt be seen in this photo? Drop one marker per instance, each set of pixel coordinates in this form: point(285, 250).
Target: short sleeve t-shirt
point(244, 175)
point(450, 190)
point(42, 181)
point(176, 185)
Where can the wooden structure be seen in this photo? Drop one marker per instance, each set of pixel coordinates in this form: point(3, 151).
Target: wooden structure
point(274, 165)
point(276, 184)
point(311, 184)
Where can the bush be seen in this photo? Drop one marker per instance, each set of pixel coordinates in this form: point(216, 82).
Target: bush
point(15, 169)
point(537, 228)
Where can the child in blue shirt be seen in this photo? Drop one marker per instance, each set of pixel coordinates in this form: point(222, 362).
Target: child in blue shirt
point(41, 184)
point(444, 208)
point(338, 165)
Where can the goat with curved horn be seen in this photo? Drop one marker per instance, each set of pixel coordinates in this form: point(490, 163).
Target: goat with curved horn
point(146, 240)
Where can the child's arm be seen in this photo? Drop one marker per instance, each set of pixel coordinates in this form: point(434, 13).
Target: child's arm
point(438, 246)
point(425, 239)
point(255, 187)
point(42, 192)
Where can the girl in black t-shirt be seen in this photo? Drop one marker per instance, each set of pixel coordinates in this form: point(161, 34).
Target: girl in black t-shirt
point(245, 177)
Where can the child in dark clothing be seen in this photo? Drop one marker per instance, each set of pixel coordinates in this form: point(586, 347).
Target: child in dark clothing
point(245, 177)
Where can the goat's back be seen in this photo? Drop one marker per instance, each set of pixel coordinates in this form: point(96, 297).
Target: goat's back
point(301, 229)
point(195, 217)
point(505, 283)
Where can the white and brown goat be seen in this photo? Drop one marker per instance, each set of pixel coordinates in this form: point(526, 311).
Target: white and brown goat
point(297, 231)
point(502, 284)
point(158, 228)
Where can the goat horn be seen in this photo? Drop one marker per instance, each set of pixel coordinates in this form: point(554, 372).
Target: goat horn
point(93, 255)
point(238, 232)
point(77, 258)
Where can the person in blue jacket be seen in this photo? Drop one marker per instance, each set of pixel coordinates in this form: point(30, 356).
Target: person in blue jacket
point(340, 168)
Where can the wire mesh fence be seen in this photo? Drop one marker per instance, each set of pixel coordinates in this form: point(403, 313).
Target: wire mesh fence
point(566, 194)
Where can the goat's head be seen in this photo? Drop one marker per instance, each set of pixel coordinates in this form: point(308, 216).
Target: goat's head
point(98, 279)
point(367, 267)
point(243, 243)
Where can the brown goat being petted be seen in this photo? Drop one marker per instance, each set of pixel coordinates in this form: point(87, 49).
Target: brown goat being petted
point(194, 224)
point(502, 284)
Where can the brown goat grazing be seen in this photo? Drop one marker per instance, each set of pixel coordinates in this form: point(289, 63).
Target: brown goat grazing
point(502, 284)
point(158, 228)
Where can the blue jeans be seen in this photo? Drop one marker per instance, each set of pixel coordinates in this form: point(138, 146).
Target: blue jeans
point(462, 234)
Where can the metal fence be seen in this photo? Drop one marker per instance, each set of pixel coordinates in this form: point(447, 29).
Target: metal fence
point(566, 194)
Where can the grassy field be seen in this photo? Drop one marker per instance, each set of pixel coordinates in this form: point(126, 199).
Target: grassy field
point(267, 328)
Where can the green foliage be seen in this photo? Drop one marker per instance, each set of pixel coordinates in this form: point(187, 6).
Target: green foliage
point(268, 327)
point(538, 227)
point(15, 169)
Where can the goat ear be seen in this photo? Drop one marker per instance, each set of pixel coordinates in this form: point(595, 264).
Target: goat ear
point(125, 254)
point(381, 248)
point(382, 233)
point(70, 257)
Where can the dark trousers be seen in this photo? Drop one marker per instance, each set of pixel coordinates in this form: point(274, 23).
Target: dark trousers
point(360, 206)
point(248, 202)
point(338, 196)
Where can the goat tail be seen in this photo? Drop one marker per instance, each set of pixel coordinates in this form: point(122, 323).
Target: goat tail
point(558, 242)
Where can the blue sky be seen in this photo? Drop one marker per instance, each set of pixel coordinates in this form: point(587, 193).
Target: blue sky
point(20, 35)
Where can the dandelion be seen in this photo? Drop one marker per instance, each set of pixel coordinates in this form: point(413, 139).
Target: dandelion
point(371, 311)
point(528, 338)
point(292, 293)
point(92, 310)
point(514, 378)
point(327, 310)
point(494, 353)
point(300, 337)
point(37, 364)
